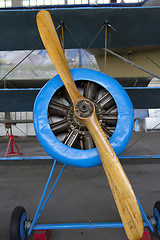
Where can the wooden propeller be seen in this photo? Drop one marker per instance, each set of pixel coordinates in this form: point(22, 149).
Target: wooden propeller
point(85, 111)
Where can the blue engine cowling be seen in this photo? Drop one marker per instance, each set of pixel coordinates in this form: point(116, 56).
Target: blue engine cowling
point(77, 157)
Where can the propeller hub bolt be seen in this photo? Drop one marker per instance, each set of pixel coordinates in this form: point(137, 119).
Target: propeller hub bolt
point(84, 108)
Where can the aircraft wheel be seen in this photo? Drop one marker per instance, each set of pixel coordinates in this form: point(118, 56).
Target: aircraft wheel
point(17, 224)
point(156, 213)
point(66, 139)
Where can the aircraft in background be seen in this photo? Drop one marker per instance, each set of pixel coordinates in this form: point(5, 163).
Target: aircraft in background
point(132, 33)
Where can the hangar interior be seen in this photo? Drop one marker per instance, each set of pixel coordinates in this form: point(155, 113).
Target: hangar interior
point(27, 150)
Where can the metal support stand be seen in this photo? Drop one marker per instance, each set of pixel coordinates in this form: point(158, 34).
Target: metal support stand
point(10, 144)
point(89, 225)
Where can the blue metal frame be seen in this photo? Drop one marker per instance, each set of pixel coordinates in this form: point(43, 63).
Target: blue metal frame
point(89, 225)
point(145, 218)
point(50, 158)
point(40, 207)
point(157, 220)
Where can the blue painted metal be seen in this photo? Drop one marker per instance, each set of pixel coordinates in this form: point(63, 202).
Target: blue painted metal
point(42, 198)
point(157, 219)
point(88, 225)
point(76, 157)
point(23, 231)
point(139, 156)
point(40, 212)
point(50, 158)
point(145, 218)
point(26, 158)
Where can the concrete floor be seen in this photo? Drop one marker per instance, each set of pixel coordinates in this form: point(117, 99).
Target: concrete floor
point(81, 194)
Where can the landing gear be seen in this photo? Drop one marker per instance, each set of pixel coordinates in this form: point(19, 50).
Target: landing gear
point(156, 212)
point(17, 224)
point(20, 227)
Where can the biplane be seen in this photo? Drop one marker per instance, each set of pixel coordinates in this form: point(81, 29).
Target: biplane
point(82, 117)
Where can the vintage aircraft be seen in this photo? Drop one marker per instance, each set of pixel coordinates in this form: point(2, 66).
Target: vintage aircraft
point(139, 45)
point(114, 111)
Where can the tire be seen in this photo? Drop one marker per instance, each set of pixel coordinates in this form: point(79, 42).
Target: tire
point(156, 213)
point(17, 224)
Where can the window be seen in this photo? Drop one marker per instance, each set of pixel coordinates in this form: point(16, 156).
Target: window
point(5, 3)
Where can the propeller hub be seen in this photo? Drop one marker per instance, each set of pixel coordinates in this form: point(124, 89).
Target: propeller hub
point(84, 108)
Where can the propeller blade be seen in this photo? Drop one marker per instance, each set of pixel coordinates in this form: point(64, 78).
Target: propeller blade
point(121, 188)
point(85, 111)
point(52, 45)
